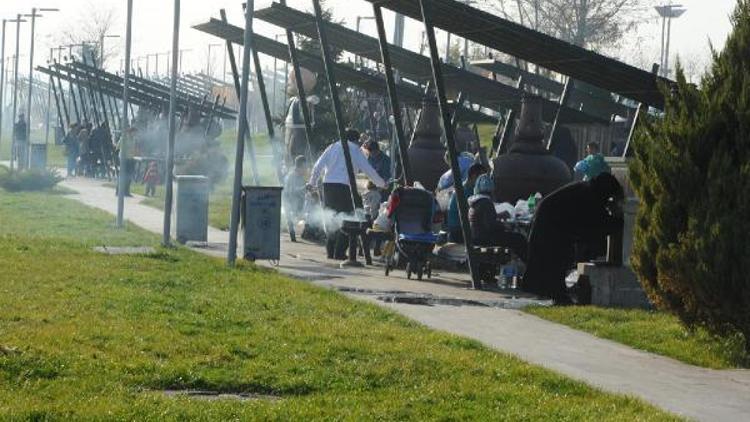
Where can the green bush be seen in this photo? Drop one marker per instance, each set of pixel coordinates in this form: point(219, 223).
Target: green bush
point(29, 180)
point(692, 173)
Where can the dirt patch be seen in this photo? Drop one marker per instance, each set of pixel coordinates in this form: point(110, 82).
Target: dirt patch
point(209, 395)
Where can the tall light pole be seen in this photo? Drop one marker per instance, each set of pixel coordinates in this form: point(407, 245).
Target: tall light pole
point(18, 21)
point(2, 80)
point(667, 13)
point(125, 123)
point(166, 241)
point(33, 17)
point(208, 59)
point(359, 22)
point(101, 47)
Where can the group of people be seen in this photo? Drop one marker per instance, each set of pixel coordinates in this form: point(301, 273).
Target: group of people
point(90, 150)
point(581, 213)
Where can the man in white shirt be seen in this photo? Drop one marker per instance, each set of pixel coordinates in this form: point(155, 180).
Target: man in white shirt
point(336, 191)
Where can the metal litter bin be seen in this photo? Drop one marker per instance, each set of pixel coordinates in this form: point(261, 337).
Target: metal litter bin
point(191, 213)
point(262, 222)
point(38, 159)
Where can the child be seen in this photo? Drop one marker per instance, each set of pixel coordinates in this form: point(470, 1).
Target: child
point(294, 188)
point(371, 200)
point(151, 178)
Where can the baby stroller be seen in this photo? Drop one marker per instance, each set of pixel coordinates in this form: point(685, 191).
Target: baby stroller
point(412, 210)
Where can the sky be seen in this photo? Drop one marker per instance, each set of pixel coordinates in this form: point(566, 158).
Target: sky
point(152, 28)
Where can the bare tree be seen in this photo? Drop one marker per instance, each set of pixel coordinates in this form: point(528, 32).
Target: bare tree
point(595, 24)
point(94, 21)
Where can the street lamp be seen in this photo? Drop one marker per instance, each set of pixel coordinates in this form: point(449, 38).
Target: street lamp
point(359, 21)
point(101, 48)
point(18, 22)
point(208, 61)
point(667, 13)
point(33, 17)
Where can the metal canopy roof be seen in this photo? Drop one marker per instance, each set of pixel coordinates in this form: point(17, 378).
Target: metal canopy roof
point(532, 46)
point(478, 89)
point(346, 75)
point(143, 93)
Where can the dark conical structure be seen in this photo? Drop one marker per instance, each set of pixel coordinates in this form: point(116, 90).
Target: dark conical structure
point(426, 152)
point(528, 167)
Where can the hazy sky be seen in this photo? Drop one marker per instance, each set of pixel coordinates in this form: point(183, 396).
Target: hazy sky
point(704, 20)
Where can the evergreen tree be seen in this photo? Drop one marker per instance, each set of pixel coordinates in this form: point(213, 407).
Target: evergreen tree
point(692, 175)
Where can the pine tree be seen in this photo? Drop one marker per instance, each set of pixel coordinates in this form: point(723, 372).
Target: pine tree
point(692, 175)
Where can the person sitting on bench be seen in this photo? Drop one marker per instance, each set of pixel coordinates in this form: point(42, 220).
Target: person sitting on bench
point(487, 229)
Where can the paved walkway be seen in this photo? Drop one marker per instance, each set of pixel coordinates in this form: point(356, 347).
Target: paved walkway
point(697, 393)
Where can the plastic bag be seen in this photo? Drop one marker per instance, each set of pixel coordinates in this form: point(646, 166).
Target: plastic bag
point(506, 207)
point(382, 223)
point(522, 209)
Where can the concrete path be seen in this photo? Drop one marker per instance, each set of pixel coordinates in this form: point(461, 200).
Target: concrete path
point(697, 393)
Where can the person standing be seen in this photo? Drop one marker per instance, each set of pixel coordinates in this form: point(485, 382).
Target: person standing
point(337, 197)
point(377, 159)
point(72, 148)
point(578, 213)
point(593, 165)
point(21, 138)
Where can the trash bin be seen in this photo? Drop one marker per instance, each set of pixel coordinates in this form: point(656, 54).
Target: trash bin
point(262, 222)
point(38, 159)
point(191, 208)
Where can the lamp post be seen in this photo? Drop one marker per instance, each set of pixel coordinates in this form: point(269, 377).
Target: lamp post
point(179, 66)
point(2, 79)
point(667, 13)
point(125, 123)
point(208, 59)
point(101, 48)
point(18, 21)
point(359, 22)
point(33, 17)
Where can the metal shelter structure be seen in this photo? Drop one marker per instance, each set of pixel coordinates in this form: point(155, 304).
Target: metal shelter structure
point(535, 47)
point(143, 92)
point(477, 89)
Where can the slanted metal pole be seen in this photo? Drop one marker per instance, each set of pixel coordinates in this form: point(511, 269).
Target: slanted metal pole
point(501, 146)
point(261, 85)
point(166, 234)
point(62, 96)
point(125, 124)
point(300, 91)
point(331, 76)
point(627, 151)
point(560, 107)
point(57, 103)
point(234, 222)
point(463, 207)
point(238, 91)
point(392, 95)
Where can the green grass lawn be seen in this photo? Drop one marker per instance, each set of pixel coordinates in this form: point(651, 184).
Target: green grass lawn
point(652, 331)
point(90, 336)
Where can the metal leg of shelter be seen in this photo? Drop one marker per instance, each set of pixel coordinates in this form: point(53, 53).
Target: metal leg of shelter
point(626, 152)
point(331, 77)
point(563, 100)
point(306, 116)
point(500, 141)
point(238, 91)
point(437, 76)
point(392, 95)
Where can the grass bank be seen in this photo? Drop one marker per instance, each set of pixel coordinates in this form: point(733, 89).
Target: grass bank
point(652, 331)
point(90, 336)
